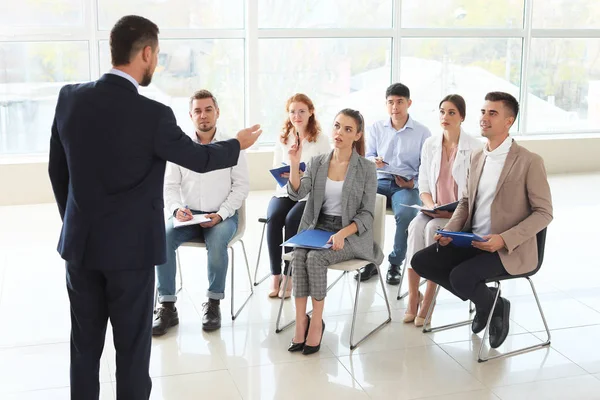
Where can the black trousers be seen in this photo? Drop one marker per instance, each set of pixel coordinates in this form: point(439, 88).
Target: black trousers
point(126, 297)
point(282, 213)
point(463, 271)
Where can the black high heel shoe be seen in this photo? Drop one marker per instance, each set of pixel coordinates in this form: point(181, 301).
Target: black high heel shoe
point(299, 346)
point(307, 350)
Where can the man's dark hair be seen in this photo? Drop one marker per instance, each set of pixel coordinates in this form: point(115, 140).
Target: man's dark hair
point(203, 94)
point(397, 89)
point(507, 100)
point(129, 35)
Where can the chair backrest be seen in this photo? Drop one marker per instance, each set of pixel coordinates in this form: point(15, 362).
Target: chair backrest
point(541, 244)
point(379, 220)
point(241, 229)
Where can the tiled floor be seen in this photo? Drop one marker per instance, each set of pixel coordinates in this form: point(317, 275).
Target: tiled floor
point(246, 359)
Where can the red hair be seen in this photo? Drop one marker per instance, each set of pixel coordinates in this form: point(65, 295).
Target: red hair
point(312, 129)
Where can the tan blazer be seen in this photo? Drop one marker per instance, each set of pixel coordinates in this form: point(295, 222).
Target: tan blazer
point(521, 207)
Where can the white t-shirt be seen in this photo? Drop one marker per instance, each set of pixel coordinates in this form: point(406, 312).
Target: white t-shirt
point(486, 191)
point(332, 203)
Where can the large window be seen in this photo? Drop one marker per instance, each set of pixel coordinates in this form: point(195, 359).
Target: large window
point(254, 54)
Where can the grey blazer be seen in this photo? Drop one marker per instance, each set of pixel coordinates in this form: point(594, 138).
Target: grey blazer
point(358, 201)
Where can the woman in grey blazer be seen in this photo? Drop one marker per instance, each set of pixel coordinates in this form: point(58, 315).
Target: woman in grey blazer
point(341, 188)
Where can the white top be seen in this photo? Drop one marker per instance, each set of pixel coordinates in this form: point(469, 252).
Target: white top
point(332, 203)
point(125, 75)
point(222, 191)
point(431, 160)
point(486, 191)
point(309, 150)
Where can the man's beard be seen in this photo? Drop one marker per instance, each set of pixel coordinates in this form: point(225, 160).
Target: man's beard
point(147, 78)
point(205, 127)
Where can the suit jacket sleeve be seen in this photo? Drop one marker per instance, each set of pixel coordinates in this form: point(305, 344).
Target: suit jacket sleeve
point(365, 215)
point(424, 169)
point(58, 170)
point(540, 199)
point(305, 182)
point(172, 144)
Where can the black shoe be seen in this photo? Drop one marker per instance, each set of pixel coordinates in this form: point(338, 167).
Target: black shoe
point(299, 346)
point(211, 318)
point(366, 272)
point(308, 350)
point(499, 325)
point(164, 319)
point(481, 317)
point(393, 275)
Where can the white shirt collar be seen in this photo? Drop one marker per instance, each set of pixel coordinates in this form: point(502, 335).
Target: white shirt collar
point(125, 75)
point(216, 137)
point(501, 150)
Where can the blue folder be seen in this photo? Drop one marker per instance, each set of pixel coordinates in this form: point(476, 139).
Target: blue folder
point(315, 239)
point(276, 172)
point(461, 239)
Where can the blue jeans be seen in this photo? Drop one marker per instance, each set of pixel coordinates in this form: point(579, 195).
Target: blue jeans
point(403, 215)
point(216, 238)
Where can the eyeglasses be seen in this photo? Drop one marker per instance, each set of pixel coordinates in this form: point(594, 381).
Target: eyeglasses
point(302, 113)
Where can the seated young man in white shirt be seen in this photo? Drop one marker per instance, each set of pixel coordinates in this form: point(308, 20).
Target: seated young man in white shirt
point(217, 195)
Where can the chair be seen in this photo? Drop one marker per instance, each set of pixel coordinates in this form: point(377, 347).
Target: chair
point(541, 241)
point(353, 265)
point(238, 237)
point(262, 220)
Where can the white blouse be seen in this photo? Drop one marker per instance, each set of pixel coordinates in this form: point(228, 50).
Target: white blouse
point(309, 150)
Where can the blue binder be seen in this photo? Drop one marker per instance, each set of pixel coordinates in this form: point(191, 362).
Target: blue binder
point(461, 239)
point(276, 172)
point(315, 239)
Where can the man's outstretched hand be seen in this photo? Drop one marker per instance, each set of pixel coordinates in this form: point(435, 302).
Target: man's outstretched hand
point(248, 136)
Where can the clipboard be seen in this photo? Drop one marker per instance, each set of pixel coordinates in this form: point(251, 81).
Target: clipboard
point(276, 172)
point(314, 239)
point(461, 239)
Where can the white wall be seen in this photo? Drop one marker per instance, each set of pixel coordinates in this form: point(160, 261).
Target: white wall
point(27, 182)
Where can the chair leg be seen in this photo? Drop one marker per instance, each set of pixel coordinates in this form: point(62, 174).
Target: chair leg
point(354, 314)
point(481, 358)
point(426, 326)
point(285, 286)
point(279, 329)
point(262, 237)
point(235, 314)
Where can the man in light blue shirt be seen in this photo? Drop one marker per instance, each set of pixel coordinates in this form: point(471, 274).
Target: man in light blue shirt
point(395, 144)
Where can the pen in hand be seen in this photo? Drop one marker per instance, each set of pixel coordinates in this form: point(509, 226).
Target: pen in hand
point(184, 213)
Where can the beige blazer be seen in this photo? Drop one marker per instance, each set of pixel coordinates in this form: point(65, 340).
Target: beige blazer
point(521, 207)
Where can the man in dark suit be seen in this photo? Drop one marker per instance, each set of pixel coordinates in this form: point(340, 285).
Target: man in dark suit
point(108, 151)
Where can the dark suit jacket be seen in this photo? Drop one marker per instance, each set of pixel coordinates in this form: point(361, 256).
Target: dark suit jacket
point(108, 151)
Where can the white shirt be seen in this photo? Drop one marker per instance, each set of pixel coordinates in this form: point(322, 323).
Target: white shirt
point(332, 203)
point(125, 75)
point(222, 191)
point(309, 150)
point(486, 191)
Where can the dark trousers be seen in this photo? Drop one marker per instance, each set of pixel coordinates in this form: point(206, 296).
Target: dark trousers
point(126, 297)
point(461, 270)
point(282, 213)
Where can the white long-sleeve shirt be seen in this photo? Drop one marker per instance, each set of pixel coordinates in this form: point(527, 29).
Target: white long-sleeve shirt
point(222, 191)
point(309, 150)
point(486, 191)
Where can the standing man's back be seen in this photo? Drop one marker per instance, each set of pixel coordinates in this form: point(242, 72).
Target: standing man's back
point(108, 152)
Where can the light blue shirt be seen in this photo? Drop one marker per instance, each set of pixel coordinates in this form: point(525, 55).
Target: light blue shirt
point(124, 75)
point(400, 149)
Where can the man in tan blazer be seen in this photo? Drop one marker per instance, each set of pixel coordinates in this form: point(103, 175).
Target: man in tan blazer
point(507, 202)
